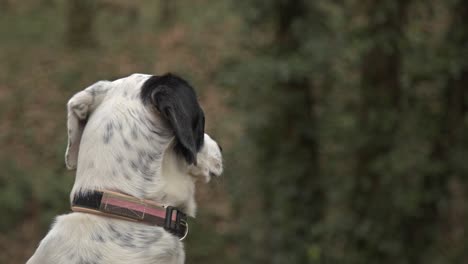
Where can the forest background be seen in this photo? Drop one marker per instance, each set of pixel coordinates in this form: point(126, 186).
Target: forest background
point(343, 122)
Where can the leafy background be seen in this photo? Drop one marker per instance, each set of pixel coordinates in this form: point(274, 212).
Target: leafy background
point(343, 122)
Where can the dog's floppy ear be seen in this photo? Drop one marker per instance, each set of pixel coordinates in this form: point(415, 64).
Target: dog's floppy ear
point(78, 109)
point(177, 102)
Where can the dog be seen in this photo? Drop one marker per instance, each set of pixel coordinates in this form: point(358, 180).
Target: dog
point(139, 141)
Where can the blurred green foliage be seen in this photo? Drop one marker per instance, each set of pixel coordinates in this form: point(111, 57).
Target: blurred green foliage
point(356, 114)
point(343, 122)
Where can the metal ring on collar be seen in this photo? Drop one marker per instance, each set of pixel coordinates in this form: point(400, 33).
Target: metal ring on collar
point(186, 232)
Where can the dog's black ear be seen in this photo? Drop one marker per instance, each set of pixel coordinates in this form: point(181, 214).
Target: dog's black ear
point(176, 100)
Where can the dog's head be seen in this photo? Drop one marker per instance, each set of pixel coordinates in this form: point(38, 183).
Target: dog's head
point(133, 127)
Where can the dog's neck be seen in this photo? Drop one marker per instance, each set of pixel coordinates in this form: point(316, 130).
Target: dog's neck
point(134, 161)
point(154, 175)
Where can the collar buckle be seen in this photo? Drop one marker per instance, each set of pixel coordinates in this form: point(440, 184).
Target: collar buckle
point(176, 222)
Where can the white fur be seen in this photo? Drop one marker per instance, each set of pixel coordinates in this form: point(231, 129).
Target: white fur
point(117, 143)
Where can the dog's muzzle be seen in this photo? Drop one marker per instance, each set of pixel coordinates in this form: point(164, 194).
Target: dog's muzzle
point(130, 208)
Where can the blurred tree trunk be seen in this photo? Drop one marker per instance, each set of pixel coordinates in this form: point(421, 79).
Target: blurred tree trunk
point(81, 15)
point(380, 85)
point(401, 197)
point(168, 12)
point(292, 197)
point(381, 91)
point(451, 141)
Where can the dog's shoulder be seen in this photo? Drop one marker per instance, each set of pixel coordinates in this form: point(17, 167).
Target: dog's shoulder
point(55, 246)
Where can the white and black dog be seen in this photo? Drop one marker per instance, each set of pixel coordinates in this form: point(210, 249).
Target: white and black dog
point(138, 142)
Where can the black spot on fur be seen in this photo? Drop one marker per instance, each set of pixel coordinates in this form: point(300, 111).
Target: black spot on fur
point(147, 137)
point(151, 237)
point(97, 237)
point(151, 123)
point(176, 100)
point(141, 154)
point(147, 176)
point(127, 240)
point(126, 144)
point(119, 159)
point(108, 133)
point(114, 233)
point(152, 156)
point(134, 165)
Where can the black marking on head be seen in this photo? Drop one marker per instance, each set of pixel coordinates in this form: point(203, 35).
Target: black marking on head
point(92, 92)
point(152, 156)
point(176, 100)
point(108, 133)
point(126, 144)
point(97, 237)
point(134, 165)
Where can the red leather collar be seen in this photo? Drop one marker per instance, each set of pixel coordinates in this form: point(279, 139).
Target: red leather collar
point(122, 206)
